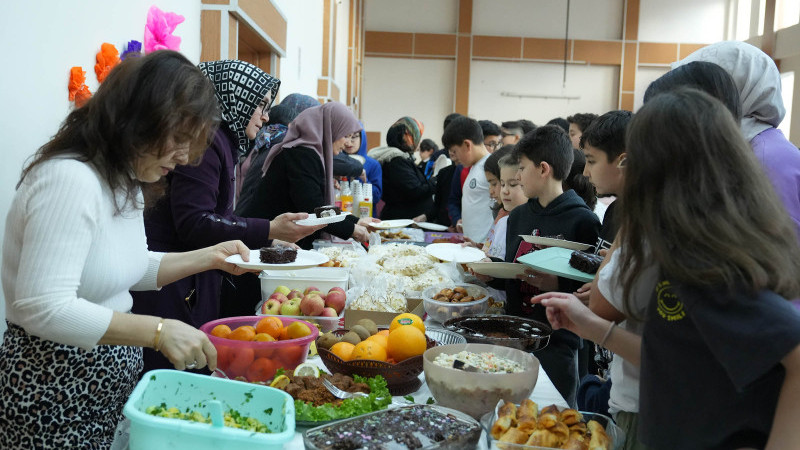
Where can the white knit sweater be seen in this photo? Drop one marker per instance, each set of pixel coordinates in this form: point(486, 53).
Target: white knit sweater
point(68, 260)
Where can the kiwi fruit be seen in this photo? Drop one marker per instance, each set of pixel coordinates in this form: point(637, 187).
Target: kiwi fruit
point(351, 337)
point(369, 325)
point(327, 340)
point(360, 331)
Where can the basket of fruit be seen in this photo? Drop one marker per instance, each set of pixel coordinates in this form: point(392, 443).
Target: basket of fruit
point(254, 348)
point(394, 353)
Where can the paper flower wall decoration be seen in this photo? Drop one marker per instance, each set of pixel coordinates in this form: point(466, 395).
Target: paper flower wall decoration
point(78, 91)
point(133, 49)
point(107, 58)
point(158, 31)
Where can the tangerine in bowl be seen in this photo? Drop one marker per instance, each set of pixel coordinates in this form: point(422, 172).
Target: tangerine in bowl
point(253, 348)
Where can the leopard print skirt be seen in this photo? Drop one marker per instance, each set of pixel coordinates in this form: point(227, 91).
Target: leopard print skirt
point(59, 396)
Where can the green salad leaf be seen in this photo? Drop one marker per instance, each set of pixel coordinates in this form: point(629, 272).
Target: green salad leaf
point(378, 399)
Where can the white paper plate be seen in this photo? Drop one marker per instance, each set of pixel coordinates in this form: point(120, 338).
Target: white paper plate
point(551, 242)
point(314, 220)
point(493, 269)
point(455, 252)
point(387, 224)
point(431, 226)
point(305, 259)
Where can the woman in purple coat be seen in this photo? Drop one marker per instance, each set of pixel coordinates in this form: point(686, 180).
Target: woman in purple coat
point(197, 209)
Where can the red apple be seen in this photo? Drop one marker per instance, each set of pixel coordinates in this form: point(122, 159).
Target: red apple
point(309, 289)
point(279, 297)
point(336, 288)
point(271, 306)
point(336, 300)
point(312, 305)
point(294, 294)
point(328, 312)
point(291, 307)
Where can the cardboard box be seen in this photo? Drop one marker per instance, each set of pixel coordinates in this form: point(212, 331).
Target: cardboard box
point(382, 319)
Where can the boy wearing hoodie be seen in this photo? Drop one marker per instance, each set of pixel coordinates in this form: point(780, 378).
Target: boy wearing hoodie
point(545, 157)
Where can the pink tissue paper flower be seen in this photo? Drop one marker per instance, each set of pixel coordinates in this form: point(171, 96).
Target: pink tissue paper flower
point(159, 28)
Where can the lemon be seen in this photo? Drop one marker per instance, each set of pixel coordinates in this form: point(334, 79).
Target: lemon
point(306, 370)
point(280, 382)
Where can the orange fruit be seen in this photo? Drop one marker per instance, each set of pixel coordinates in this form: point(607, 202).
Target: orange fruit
point(241, 358)
point(290, 356)
point(407, 319)
point(382, 333)
point(243, 333)
point(284, 334)
point(381, 339)
point(271, 326)
point(263, 337)
point(405, 342)
point(297, 330)
point(221, 331)
point(369, 350)
point(262, 369)
point(343, 350)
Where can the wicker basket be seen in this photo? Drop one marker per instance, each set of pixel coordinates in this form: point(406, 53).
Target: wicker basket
point(401, 378)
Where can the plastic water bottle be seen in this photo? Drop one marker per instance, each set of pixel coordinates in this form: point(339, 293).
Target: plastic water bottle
point(355, 186)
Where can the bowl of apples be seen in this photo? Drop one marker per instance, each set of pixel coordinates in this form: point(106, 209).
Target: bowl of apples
point(322, 309)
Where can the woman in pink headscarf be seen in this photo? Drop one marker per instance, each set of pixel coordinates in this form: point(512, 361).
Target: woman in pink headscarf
point(298, 173)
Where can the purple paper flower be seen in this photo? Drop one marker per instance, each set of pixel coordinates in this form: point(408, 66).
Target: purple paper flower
point(132, 49)
point(159, 29)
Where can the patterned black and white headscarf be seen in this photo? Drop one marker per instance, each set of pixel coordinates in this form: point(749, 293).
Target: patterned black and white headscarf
point(240, 87)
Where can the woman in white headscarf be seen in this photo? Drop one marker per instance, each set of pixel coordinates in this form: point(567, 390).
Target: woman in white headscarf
point(759, 84)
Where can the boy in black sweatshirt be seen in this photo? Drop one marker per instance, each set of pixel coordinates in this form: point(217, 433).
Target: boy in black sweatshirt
point(545, 157)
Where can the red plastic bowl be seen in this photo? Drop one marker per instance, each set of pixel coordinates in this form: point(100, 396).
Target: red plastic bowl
point(257, 360)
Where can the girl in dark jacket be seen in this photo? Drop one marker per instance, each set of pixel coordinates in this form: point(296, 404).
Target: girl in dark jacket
point(406, 191)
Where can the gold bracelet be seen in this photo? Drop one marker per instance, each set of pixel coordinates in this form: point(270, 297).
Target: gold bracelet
point(158, 335)
point(608, 333)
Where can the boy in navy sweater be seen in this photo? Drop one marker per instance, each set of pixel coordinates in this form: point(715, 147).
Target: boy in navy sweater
point(545, 157)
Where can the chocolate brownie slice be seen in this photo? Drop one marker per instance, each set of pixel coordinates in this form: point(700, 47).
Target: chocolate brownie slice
point(585, 262)
point(277, 255)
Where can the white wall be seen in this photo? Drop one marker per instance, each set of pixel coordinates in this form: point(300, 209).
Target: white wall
point(412, 16)
point(595, 85)
point(303, 62)
point(588, 19)
point(419, 88)
point(645, 76)
point(44, 39)
point(682, 21)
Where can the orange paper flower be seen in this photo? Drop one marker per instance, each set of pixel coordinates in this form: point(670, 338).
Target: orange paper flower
point(107, 58)
point(78, 91)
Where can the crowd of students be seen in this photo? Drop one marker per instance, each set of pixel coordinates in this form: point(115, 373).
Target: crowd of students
point(151, 188)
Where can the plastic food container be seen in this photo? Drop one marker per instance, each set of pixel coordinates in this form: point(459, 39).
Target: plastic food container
point(193, 392)
point(476, 393)
point(614, 432)
point(416, 426)
point(256, 360)
point(443, 311)
point(323, 278)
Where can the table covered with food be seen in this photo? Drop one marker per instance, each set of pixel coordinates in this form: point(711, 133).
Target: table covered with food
point(398, 345)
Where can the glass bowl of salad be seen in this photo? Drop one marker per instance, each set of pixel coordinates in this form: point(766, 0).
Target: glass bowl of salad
point(472, 378)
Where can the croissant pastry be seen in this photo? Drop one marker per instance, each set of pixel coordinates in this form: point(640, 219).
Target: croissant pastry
point(543, 438)
point(578, 429)
point(561, 432)
point(548, 416)
point(576, 442)
point(527, 415)
point(599, 440)
point(506, 418)
point(514, 436)
point(571, 417)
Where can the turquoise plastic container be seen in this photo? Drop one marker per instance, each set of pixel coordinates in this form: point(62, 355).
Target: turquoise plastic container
point(189, 391)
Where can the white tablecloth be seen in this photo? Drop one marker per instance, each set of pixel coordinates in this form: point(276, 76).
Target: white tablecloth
point(544, 393)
